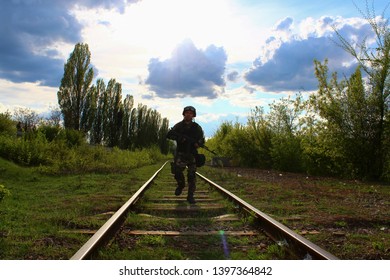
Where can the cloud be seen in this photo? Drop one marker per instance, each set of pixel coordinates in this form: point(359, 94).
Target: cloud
point(285, 24)
point(233, 76)
point(31, 32)
point(286, 63)
point(188, 72)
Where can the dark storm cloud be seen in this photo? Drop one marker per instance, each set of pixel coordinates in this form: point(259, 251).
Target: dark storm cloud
point(189, 72)
point(291, 67)
point(28, 29)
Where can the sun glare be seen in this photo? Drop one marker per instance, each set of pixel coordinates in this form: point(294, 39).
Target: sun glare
point(161, 25)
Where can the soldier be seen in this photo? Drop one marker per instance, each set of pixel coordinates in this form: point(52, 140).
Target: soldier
point(189, 137)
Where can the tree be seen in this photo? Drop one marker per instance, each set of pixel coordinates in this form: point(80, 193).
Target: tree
point(162, 140)
point(261, 133)
point(351, 119)
point(28, 118)
point(284, 121)
point(99, 111)
point(7, 125)
point(96, 135)
point(75, 85)
point(126, 136)
point(113, 121)
point(88, 113)
point(54, 118)
point(375, 62)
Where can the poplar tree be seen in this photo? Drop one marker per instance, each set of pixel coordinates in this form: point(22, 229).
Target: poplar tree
point(75, 85)
point(126, 136)
point(115, 113)
point(96, 135)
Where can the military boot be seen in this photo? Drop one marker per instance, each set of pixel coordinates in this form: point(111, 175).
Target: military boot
point(191, 199)
point(191, 191)
point(179, 189)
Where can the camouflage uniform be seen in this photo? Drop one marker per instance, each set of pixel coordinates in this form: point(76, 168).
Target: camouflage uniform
point(186, 135)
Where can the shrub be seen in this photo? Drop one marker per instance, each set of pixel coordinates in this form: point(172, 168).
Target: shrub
point(50, 132)
point(286, 153)
point(3, 192)
point(7, 126)
point(72, 137)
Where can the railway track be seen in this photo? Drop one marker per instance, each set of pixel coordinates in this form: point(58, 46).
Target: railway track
point(156, 224)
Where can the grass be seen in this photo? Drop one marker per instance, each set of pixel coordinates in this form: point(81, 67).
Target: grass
point(35, 219)
point(350, 219)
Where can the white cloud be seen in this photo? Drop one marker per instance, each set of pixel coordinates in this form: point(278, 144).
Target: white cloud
point(29, 95)
point(287, 60)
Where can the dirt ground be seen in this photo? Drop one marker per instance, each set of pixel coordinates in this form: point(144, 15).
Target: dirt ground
point(348, 218)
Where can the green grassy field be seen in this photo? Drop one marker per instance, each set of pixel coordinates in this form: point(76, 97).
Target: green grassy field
point(34, 217)
point(350, 219)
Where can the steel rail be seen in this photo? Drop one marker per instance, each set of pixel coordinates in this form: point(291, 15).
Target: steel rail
point(116, 220)
point(277, 231)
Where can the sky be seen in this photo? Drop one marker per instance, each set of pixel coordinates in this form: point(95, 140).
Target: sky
point(224, 57)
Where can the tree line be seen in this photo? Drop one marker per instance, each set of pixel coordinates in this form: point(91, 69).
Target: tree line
point(101, 113)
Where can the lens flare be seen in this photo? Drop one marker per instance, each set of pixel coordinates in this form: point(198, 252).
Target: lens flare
point(224, 244)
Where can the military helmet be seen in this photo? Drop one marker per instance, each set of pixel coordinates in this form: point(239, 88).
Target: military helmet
point(189, 108)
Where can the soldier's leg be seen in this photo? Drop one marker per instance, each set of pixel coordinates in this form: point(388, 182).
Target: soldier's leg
point(179, 176)
point(191, 176)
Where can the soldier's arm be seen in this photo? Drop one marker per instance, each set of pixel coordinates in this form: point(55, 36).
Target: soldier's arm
point(172, 133)
point(201, 139)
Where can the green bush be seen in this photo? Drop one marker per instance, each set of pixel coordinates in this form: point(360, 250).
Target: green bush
point(3, 192)
point(24, 151)
point(286, 153)
point(60, 151)
point(7, 126)
point(98, 159)
point(50, 132)
point(72, 137)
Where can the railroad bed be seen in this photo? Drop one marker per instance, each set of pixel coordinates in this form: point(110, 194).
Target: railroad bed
point(156, 224)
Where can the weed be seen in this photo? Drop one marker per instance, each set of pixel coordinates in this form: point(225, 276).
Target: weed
point(3, 192)
point(378, 245)
point(340, 223)
point(276, 252)
point(151, 240)
point(297, 203)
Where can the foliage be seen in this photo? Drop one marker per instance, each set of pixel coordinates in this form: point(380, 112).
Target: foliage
point(7, 125)
point(71, 137)
point(50, 132)
point(27, 117)
point(56, 150)
point(268, 140)
point(100, 112)
point(284, 121)
point(375, 62)
point(29, 150)
point(3, 192)
point(342, 129)
point(260, 131)
point(74, 92)
point(350, 117)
